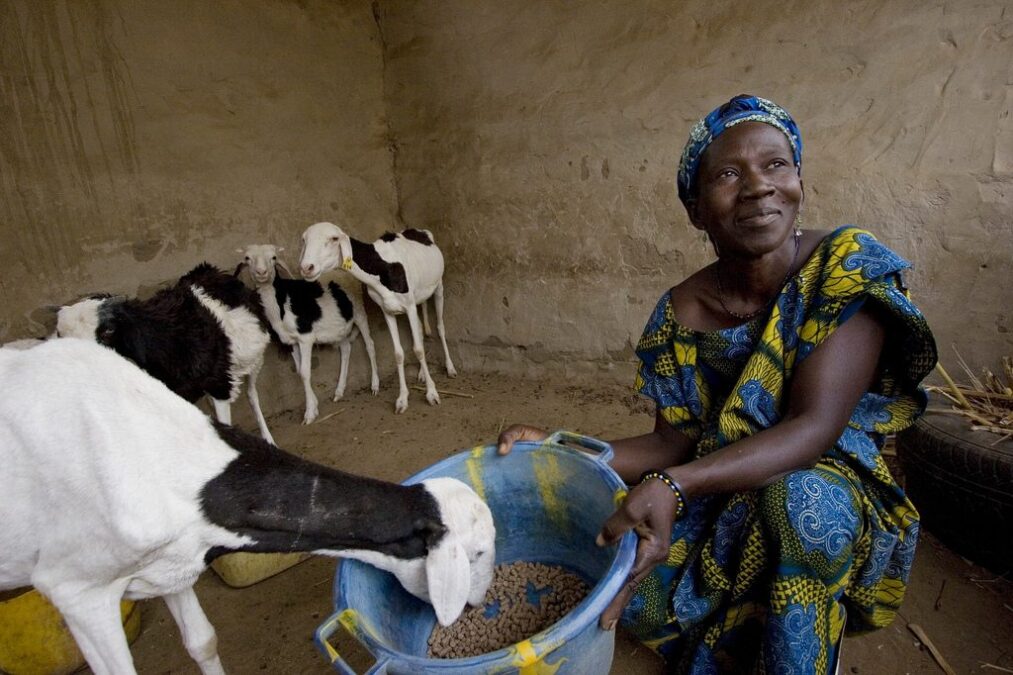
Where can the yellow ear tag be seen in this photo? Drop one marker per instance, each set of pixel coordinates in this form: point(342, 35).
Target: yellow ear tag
point(346, 264)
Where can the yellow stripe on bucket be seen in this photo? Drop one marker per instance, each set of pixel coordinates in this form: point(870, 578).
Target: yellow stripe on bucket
point(548, 476)
point(474, 465)
point(528, 661)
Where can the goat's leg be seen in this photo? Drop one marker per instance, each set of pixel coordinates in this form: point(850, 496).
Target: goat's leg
point(251, 393)
point(401, 404)
point(305, 372)
point(421, 377)
point(362, 323)
point(197, 632)
point(223, 411)
point(296, 356)
point(425, 318)
point(93, 617)
point(344, 354)
point(438, 302)
point(420, 353)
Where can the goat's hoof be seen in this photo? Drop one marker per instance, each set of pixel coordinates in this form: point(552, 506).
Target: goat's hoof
point(309, 417)
point(434, 398)
point(451, 371)
point(375, 389)
point(400, 407)
point(338, 395)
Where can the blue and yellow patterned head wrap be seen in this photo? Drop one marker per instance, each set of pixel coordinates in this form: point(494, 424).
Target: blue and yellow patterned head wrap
point(741, 108)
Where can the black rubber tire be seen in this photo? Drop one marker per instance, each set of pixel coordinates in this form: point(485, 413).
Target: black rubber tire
point(961, 481)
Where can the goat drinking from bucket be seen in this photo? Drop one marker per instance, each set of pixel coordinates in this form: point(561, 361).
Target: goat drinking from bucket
point(114, 487)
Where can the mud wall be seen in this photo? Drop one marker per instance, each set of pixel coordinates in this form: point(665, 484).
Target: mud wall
point(540, 140)
point(138, 138)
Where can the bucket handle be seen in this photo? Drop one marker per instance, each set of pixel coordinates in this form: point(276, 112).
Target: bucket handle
point(322, 638)
point(603, 449)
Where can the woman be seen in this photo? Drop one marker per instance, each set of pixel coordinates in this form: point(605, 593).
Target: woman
point(766, 515)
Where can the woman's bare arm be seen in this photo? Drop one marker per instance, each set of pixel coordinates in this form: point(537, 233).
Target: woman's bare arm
point(660, 448)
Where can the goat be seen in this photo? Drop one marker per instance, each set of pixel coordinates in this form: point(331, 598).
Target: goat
point(114, 487)
point(400, 271)
point(200, 336)
point(26, 343)
point(303, 313)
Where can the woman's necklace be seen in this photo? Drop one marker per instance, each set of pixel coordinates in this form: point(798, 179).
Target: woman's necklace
point(766, 305)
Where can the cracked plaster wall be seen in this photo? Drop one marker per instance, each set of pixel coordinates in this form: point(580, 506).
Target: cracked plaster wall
point(140, 137)
point(538, 140)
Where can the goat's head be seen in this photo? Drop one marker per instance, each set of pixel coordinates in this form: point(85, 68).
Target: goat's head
point(262, 260)
point(459, 568)
point(324, 247)
point(81, 319)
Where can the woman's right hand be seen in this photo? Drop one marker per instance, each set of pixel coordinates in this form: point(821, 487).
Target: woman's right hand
point(518, 432)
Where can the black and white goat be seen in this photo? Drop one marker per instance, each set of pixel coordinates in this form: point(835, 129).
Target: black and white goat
point(200, 336)
point(303, 313)
point(400, 271)
point(115, 488)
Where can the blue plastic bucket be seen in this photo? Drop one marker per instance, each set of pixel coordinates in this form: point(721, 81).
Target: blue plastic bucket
point(548, 501)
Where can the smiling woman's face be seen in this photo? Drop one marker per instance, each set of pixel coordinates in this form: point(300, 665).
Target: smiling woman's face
point(749, 190)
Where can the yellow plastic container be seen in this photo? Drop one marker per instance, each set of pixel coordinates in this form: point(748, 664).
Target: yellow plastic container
point(244, 569)
point(34, 640)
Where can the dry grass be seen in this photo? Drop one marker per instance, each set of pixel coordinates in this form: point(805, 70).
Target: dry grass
point(987, 402)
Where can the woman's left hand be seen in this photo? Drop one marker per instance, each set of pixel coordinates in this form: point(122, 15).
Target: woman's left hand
point(648, 510)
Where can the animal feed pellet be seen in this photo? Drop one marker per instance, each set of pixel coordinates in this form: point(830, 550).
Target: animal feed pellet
point(523, 599)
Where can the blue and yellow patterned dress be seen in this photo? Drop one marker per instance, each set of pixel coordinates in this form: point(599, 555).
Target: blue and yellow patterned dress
point(760, 581)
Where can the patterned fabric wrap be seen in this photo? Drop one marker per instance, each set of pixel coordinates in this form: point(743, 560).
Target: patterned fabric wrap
point(742, 108)
point(763, 581)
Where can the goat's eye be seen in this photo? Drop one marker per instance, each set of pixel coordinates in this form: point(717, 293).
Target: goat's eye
point(334, 238)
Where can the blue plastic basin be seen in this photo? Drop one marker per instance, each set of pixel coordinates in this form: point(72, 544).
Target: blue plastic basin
point(548, 502)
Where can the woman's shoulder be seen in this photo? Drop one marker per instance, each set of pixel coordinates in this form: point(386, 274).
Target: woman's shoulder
point(692, 298)
point(850, 249)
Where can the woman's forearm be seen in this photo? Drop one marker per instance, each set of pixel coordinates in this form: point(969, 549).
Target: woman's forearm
point(634, 456)
point(755, 461)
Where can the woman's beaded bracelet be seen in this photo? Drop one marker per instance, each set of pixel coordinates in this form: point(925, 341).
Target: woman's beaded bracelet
point(680, 500)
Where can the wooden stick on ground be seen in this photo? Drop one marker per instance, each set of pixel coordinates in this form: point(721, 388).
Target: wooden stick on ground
point(330, 415)
point(444, 392)
point(936, 654)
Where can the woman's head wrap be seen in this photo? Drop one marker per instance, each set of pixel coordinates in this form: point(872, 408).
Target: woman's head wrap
point(741, 108)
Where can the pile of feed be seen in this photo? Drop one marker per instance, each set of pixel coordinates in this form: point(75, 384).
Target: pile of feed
point(523, 599)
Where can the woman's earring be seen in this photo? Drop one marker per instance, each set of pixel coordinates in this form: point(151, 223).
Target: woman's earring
point(798, 224)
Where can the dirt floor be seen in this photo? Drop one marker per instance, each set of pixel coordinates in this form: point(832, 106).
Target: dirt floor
point(966, 611)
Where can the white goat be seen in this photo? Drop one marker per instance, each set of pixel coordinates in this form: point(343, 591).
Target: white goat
point(201, 336)
point(114, 487)
point(400, 271)
point(303, 313)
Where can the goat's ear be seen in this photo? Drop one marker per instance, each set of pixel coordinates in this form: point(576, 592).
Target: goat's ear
point(345, 249)
point(280, 265)
point(239, 267)
point(448, 575)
